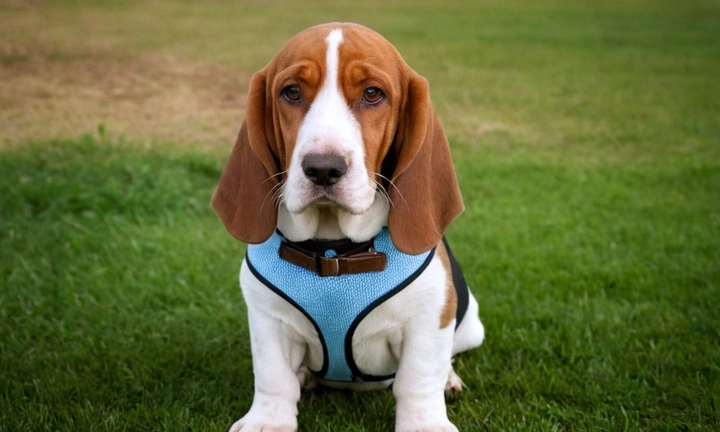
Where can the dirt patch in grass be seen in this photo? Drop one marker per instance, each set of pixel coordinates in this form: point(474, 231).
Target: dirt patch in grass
point(50, 92)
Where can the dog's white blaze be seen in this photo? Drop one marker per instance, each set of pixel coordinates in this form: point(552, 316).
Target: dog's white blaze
point(332, 61)
point(330, 127)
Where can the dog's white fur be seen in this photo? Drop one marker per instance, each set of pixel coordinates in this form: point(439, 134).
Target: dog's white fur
point(404, 334)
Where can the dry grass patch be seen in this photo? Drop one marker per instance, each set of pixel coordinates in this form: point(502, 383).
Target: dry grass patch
point(49, 92)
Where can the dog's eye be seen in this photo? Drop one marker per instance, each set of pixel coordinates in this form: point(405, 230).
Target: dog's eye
point(373, 95)
point(291, 93)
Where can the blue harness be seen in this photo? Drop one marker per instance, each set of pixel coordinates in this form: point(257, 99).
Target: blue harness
point(336, 305)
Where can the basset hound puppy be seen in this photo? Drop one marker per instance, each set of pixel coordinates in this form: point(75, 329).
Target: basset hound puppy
point(342, 183)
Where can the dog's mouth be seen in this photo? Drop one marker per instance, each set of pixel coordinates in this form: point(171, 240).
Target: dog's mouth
point(324, 216)
point(338, 196)
point(327, 202)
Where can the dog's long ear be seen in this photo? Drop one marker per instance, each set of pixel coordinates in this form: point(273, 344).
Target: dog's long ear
point(424, 189)
point(244, 198)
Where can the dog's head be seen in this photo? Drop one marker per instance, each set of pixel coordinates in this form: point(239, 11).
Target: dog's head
point(338, 122)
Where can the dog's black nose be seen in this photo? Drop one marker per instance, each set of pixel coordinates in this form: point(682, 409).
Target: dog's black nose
point(324, 169)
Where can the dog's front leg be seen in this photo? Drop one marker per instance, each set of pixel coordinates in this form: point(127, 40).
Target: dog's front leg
point(419, 387)
point(276, 359)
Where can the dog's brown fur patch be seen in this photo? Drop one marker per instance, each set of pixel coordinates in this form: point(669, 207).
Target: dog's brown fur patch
point(451, 300)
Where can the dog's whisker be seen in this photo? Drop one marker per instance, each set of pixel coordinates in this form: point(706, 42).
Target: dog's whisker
point(275, 175)
point(273, 193)
point(390, 182)
point(381, 192)
point(279, 195)
point(278, 192)
point(380, 189)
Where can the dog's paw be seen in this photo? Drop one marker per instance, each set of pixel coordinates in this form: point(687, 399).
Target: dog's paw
point(266, 421)
point(449, 427)
point(454, 384)
point(308, 380)
point(243, 425)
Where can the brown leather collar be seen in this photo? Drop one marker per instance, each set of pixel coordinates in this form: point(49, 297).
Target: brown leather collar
point(356, 258)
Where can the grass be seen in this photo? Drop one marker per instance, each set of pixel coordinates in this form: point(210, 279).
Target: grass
point(586, 142)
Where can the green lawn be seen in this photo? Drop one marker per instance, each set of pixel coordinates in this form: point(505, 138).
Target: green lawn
point(586, 137)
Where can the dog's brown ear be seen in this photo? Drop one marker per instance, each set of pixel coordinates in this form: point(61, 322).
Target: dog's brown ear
point(424, 189)
point(244, 198)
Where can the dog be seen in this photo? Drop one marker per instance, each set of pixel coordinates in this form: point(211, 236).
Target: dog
point(342, 184)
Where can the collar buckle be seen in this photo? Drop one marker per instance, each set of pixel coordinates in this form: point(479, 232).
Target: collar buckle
point(365, 260)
